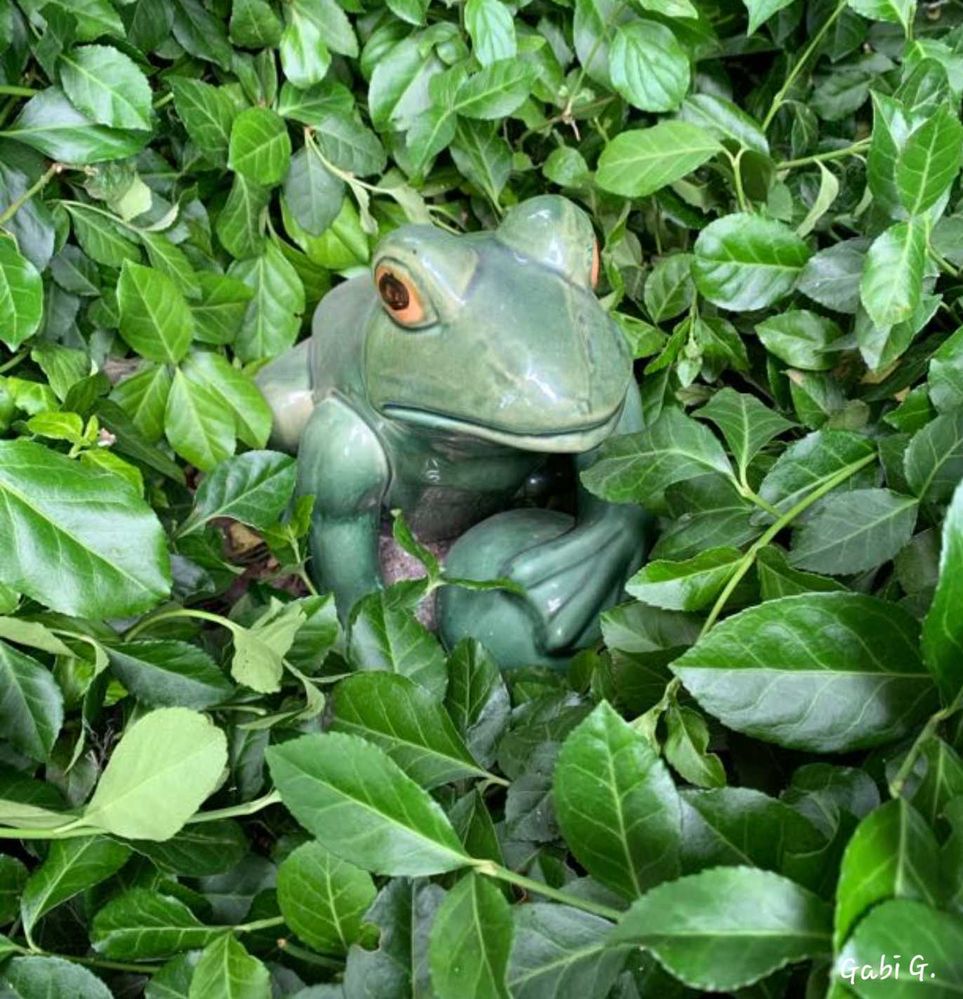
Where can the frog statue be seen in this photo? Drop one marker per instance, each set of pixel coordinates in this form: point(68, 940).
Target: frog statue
point(437, 384)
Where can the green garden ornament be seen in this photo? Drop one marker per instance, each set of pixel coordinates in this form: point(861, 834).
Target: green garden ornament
point(437, 384)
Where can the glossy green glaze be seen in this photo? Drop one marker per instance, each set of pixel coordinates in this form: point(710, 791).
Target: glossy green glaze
point(437, 386)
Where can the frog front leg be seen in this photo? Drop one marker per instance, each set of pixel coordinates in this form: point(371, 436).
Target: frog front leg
point(342, 464)
point(571, 579)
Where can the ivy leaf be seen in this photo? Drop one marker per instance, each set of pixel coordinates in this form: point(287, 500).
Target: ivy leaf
point(196, 423)
point(312, 192)
point(107, 85)
point(363, 807)
point(208, 113)
point(35, 978)
point(21, 296)
point(688, 585)
point(942, 626)
point(470, 942)
point(491, 29)
point(143, 795)
point(929, 161)
point(933, 461)
point(169, 673)
point(141, 924)
point(639, 162)
point(154, 317)
point(616, 805)
point(747, 424)
point(827, 672)
point(726, 928)
point(892, 278)
point(31, 704)
point(747, 262)
point(225, 970)
point(323, 899)
point(260, 147)
point(637, 467)
point(648, 66)
point(62, 556)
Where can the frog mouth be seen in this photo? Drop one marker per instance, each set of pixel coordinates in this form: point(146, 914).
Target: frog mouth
point(572, 441)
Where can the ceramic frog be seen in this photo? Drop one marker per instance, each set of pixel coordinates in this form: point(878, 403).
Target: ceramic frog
point(436, 385)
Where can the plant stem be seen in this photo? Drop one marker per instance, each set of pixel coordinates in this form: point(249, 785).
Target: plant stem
point(8, 88)
point(258, 924)
point(71, 830)
point(13, 361)
point(44, 180)
point(303, 954)
point(926, 733)
point(144, 624)
point(777, 101)
point(494, 870)
point(737, 177)
point(832, 154)
point(784, 521)
point(234, 811)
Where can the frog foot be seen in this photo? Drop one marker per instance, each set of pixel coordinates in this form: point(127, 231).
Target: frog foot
point(571, 579)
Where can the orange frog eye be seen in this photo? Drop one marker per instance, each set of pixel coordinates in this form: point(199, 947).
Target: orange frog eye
point(594, 277)
point(400, 296)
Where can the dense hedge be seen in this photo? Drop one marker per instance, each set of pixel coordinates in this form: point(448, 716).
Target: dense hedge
point(206, 788)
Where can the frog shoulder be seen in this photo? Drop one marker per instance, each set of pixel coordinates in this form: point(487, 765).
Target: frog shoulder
point(337, 334)
point(342, 460)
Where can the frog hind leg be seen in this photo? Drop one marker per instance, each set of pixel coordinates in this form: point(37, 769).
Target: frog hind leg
point(285, 384)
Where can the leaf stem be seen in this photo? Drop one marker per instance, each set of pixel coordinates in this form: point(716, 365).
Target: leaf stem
point(44, 180)
point(777, 101)
point(737, 177)
point(494, 870)
point(926, 733)
point(831, 154)
point(784, 521)
point(14, 91)
point(201, 615)
point(234, 811)
point(258, 924)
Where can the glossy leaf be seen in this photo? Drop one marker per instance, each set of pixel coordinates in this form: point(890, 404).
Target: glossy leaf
point(21, 296)
point(107, 85)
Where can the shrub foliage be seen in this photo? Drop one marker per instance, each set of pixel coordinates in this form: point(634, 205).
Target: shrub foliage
point(753, 784)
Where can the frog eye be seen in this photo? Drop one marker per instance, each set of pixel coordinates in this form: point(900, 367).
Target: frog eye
point(594, 275)
point(400, 296)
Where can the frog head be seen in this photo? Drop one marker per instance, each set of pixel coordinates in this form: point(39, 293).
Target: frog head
point(498, 335)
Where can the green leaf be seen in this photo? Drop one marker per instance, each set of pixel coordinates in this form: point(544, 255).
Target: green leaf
point(41, 977)
point(361, 805)
point(747, 262)
point(810, 463)
point(21, 296)
point(648, 66)
point(933, 461)
point(384, 638)
point(943, 625)
point(477, 699)
point(169, 673)
point(726, 928)
point(854, 531)
point(826, 672)
point(778, 579)
point(259, 651)
point(313, 194)
point(726, 121)
point(350, 146)
point(154, 317)
point(616, 804)
point(199, 850)
point(220, 308)
point(322, 898)
point(906, 927)
point(50, 124)
point(408, 723)
point(560, 951)
point(141, 924)
point(31, 704)
point(668, 288)
point(100, 237)
point(240, 222)
point(253, 488)
point(272, 318)
point(226, 970)
point(761, 10)
point(831, 276)
point(470, 942)
point(639, 162)
point(491, 29)
point(197, 425)
point(107, 86)
point(235, 390)
point(929, 161)
point(802, 339)
point(637, 467)
point(207, 113)
point(747, 424)
point(895, 11)
point(892, 278)
point(145, 795)
point(53, 545)
point(689, 585)
point(892, 854)
point(254, 24)
point(260, 147)
point(495, 91)
point(686, 745)
point(143, 397)
point(70, 867)
point(305, 57)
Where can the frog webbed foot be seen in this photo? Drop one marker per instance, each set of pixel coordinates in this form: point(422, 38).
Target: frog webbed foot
point(571, 579)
